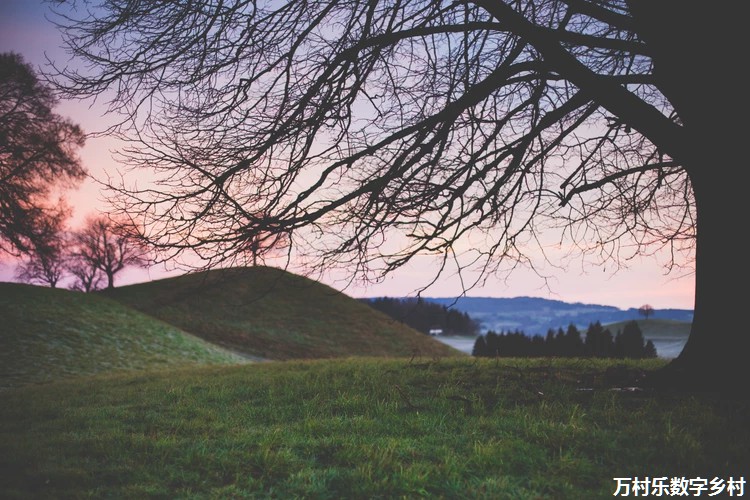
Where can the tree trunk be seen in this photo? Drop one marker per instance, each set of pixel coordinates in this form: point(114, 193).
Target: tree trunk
point(715, 357)
point(110, 281)
point(696, 52)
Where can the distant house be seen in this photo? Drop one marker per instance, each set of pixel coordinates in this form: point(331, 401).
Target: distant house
point(436, 331)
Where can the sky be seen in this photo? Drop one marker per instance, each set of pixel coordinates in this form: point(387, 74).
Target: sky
point(25, 29)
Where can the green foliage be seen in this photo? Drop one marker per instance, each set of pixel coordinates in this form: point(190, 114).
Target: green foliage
point(47, 334)
point(272, 314)
point(360, 428)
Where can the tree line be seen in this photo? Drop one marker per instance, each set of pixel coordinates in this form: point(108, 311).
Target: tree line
point(598, 343)
point(425, 316)
point(90, 256)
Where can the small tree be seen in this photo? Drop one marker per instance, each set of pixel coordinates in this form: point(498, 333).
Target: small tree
point(646, 310)
point(44, 265)
point(480, 347)
point(105, 246)
point(630, 342)
point(262, 244)
point(599, 342)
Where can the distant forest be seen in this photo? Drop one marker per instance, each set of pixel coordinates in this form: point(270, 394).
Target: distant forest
point(425, 316)
point(599, 343)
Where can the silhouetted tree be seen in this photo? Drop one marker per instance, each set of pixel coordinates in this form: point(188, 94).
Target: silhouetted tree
point(87, 277)
point(259, 246)
point(258, 243)
point(646, 311)
point(599, 341)
point(549, 341)
point(492, 340)
point(107, 247)
point(572, 343)
point(37, 156)
point(630, 342)
point(45, 264)
point(439, 123)
point(480, 347)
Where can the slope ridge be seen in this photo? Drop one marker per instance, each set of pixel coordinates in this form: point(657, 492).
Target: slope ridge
point(46, 334)
point(274, 314)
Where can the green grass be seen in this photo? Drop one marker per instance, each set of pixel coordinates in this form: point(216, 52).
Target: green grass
point(273, 314)
point(193, 423)
point(47, 334)
point(360, 428)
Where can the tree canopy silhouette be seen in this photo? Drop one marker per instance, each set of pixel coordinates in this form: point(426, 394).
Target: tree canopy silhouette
point(375, 131)
point(38, 153)
point(104, 246)
point(646, 310)
point(46, 264)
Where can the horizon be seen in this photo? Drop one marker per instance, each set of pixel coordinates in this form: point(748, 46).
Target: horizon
point(4, 279)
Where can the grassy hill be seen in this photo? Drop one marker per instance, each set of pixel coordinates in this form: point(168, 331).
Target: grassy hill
point(272, 314)
point(47, 334)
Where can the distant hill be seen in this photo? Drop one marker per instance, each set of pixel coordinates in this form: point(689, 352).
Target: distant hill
point(46, 334)
point(656, 328)
point(536, 315)
point(269, 313)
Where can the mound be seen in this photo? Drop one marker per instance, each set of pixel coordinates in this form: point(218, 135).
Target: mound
point(46, 334)
point(273, 314)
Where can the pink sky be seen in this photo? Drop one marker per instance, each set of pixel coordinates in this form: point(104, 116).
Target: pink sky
point(24, 29)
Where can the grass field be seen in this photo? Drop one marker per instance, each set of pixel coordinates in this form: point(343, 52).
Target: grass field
point(360, 428)
point(100, 400)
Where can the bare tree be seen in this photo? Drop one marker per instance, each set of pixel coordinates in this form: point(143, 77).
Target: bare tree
point(107, 247)
point(87, 277)
point(44, 265)
point(375, 131)
point(259, 245)
point(37, 155)
point(646, 310)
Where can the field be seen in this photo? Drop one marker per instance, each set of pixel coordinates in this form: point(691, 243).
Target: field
point(360, 428)
point(149, 392)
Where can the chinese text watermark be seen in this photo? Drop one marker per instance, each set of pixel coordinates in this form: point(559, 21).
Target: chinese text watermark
point(678, 486)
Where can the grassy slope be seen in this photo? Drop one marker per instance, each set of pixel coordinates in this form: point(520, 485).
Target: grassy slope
point(46, 334)
point(276, 315)
point(361, 428)
point(656, 328)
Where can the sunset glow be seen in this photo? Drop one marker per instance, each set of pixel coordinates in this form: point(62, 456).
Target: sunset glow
point(24, 29)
